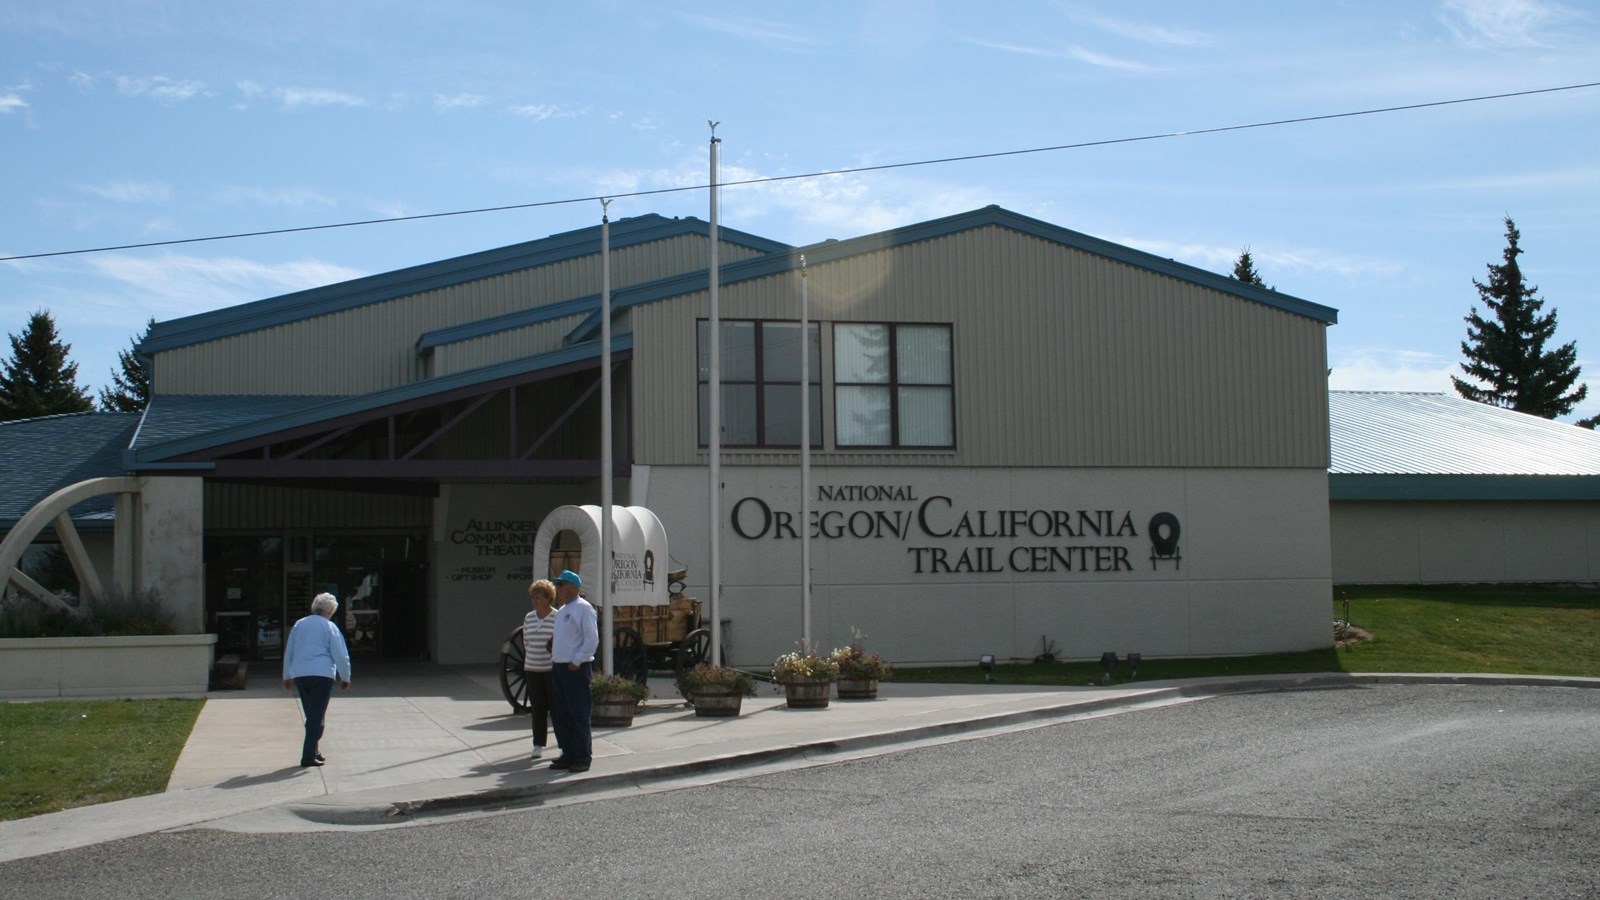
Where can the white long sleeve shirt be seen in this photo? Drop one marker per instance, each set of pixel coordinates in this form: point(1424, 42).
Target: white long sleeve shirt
point(577, 634)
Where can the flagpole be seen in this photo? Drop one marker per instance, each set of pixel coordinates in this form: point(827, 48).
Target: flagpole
point(608, 635)
point(805, 456)
point(714, 420)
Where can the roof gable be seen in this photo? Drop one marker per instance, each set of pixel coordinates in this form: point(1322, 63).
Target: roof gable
point(831, 250)
point(385, 286)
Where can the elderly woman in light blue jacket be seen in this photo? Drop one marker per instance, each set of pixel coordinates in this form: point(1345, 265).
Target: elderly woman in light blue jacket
point(313, 657)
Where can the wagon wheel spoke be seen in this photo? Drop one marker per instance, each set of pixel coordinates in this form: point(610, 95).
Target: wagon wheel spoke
point(628, 653)
point(513, 680)
point(695, 649)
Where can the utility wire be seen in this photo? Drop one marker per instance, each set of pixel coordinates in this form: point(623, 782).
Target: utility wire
point(777, 178)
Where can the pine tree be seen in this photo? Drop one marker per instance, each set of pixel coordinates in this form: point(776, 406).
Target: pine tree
point(130, 387)
point(1505, 354)
point(38, 380)
point(1245, 270)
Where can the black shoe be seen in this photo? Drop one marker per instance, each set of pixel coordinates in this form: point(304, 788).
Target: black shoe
point(561, 764)
point(583, 767)
point(308, 763)
point(319, 758)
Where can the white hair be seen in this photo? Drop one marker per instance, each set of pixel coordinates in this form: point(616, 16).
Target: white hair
point(324, 605)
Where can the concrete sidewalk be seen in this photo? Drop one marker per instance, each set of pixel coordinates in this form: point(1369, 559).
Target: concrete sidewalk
point(413, 741)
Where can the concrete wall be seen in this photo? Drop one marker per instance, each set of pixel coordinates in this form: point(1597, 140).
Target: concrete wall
point(1416, 542)
point(170, 531)
point(482, 562)
point(177, 665)
point(894, 559)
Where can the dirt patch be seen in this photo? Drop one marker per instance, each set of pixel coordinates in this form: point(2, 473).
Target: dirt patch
point(1349, 635)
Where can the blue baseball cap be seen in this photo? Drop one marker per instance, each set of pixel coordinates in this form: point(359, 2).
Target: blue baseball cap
point(570, 577)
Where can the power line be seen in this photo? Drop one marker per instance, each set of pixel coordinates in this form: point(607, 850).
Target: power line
point(777, 178)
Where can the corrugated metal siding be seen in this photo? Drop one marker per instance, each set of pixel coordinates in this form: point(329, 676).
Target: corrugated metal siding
point(1061, 358)
point(232, 507)
point(506, 345)
point(373, 347)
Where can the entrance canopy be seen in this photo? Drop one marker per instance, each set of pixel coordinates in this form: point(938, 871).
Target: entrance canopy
point(638, 551)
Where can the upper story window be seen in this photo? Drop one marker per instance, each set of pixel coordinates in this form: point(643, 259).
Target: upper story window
point(760, 376)
point(893, 385)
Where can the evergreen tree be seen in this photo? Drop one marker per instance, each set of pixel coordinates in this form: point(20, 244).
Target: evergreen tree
point(1505, 354)
point(1245, 270)
point(38, 380)
point(130, 387)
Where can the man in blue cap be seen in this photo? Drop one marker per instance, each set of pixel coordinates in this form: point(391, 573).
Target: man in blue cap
point(577, 636)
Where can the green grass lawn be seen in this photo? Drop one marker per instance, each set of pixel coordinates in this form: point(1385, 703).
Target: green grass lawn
point(1509, 629)
point(60, 754)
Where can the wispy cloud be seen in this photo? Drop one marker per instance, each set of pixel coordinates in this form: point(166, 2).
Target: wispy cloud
point(129, 191)
point(1276, 265)
point(297, 198)
point(1502, 23)
point(1389, 369)
point(446, 103)
point(159, 87)
point(171, 285)
point(1144, 33)
point(769, 34)
point(1107, 61)
point(12, 103)
point(540, 112)
point(1066, 52)
point(292, 98)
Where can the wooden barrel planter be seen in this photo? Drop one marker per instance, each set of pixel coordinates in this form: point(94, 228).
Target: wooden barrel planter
point(858, 688)
point(717, 704)
point(613, 711)
point(807, 694)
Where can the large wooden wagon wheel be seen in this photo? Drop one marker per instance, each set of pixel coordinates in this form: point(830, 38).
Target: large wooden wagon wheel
point(629, 655)
point(513, 680)
point(695, 649)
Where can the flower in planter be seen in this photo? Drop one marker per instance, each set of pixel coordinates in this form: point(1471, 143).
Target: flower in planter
point(804, 665)
point(856, 664)
point(715, 678)
point(603, 685)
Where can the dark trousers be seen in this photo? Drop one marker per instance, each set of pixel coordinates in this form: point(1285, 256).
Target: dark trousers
point(539, 696)
point(315, 691)
point(571, 712)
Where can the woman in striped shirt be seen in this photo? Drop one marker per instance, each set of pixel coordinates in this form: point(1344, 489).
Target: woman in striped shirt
point(537, 628)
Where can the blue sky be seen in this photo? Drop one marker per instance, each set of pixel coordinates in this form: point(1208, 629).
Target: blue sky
point(127, 121)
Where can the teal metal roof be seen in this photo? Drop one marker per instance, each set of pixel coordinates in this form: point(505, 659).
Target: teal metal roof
point(1422, 446)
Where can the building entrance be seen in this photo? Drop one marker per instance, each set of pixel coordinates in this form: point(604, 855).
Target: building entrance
point(257, 587)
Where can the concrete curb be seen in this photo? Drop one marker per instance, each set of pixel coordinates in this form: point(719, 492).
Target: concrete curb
point(342, 811)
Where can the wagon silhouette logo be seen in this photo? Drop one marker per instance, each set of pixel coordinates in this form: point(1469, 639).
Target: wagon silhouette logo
point(1164, 531)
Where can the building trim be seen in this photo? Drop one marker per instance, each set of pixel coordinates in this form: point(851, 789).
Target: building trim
point(1463, 487)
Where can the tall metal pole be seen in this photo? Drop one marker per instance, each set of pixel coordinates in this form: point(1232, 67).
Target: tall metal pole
point(714, 420)
point(607, 638)
point(805, 456)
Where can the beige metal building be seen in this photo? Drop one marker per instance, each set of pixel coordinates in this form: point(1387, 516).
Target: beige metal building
point(1024, 438)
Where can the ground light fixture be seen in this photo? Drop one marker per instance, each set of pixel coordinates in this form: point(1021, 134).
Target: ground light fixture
point(1133, 664)
point(1108, 661)
point(986, 663)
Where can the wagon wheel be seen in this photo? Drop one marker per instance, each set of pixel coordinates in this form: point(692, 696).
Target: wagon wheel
point(628, 655)
point(513, 680)
point(695, 649)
